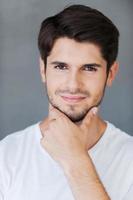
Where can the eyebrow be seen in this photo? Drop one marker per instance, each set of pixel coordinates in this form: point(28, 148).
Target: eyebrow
point(86, 65)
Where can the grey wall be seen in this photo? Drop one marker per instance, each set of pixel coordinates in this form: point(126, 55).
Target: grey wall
point(22, 99)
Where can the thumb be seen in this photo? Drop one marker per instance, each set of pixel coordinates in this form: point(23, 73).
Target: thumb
point(89, 116)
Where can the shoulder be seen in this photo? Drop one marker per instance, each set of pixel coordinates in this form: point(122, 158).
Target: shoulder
point(15, 150)
point(120, 141)
point(13, 143)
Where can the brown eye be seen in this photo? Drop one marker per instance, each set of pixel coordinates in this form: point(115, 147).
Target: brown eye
point(90, 68)
point(60, 67)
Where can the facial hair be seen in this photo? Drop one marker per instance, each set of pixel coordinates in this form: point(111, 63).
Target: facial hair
point(77, 118)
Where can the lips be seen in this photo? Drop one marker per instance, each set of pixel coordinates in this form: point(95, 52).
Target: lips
point(73, 99)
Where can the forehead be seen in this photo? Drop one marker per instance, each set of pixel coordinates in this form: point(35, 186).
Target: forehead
point(69, 50)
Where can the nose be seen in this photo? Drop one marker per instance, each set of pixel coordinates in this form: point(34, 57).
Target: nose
point(74, 81)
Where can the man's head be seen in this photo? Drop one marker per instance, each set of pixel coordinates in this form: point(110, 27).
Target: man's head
point(78, 50)
point(83, 24)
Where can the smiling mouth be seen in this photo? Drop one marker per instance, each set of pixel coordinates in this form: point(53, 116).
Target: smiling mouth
point(73, 99)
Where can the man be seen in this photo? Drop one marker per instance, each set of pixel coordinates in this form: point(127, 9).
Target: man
point(73, 153)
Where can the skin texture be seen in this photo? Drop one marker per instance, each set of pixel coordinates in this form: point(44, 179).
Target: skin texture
point(75, 79)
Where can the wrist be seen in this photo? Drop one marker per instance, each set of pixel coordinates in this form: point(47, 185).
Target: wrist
point(76, 164)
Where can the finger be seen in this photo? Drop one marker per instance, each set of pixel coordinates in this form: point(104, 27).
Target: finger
point(92, 113)
point(51, 112)
point(54, 113)
point(51, 106)
point(43, 131)
point(44, 126)
point(95, 110)
point(44, 143)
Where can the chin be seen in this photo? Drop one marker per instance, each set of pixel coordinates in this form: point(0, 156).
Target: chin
point(72, 114)
point(75, 117)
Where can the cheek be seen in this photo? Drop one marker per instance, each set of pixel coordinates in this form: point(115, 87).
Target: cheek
point(96, 87)
point(54, 82)
point(52, 86)
point(52, 79)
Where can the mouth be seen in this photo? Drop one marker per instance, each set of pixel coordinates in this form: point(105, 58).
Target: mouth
point(72, 98)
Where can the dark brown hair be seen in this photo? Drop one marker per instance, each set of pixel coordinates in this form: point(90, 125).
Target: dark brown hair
point(83, 24)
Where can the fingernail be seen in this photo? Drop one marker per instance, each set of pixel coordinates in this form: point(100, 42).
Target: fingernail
point(94, 110)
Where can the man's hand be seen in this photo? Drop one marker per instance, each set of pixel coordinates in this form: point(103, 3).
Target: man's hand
point(68, 144)
point(64, 140)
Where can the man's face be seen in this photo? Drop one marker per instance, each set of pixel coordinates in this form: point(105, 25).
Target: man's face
point(75, 77)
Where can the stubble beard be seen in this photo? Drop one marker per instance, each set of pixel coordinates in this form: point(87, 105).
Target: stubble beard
point(80, 116)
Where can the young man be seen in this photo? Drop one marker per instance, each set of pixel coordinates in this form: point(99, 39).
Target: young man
point(73, 153)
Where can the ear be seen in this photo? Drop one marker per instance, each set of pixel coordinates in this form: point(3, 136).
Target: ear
point(42, 70)
point(112, 73)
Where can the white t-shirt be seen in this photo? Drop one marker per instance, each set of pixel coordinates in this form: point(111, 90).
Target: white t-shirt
point(27, 171)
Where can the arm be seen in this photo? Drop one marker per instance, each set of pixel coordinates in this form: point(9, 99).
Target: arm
point(68, 144)
point(84, 181)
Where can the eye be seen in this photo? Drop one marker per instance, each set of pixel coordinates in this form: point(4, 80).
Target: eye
point(90, 68)
point(60, 67)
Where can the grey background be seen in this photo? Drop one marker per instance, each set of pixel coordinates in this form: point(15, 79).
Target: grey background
point(22, 97)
